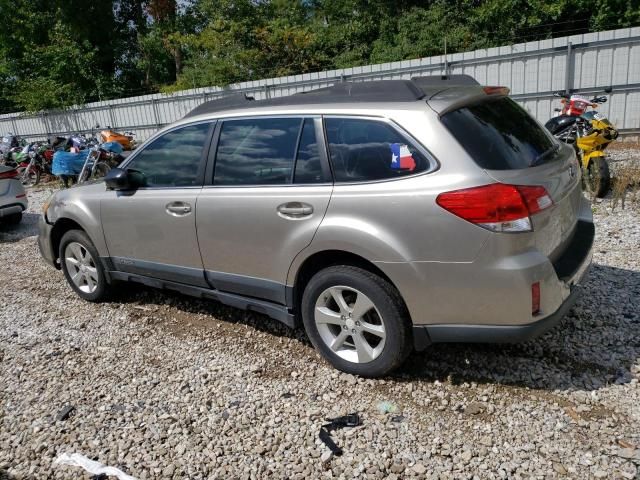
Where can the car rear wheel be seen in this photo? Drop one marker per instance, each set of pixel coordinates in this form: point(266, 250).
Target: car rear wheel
point(82, 267)
point(356, 320)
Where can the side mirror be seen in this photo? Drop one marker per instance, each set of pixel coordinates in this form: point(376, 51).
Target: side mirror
point(118, 179)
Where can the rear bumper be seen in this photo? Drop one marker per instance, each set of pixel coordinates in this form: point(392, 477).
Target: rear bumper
point(44, 242)
point(570, 270)
point(424, 335)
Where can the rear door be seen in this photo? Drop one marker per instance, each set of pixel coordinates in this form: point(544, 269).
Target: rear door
point(151, 231)
point(267, 196)
point(513, 148)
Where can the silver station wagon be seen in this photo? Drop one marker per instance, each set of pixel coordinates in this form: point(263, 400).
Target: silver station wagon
point(384, 216)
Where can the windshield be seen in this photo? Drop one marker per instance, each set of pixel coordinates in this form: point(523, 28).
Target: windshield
point(501, 135)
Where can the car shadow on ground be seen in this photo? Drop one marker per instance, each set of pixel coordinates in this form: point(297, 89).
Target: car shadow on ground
point(596, 344)
point(28, 227)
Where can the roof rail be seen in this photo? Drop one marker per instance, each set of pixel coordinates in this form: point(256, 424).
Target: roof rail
point(226, 102)
point(344, 92)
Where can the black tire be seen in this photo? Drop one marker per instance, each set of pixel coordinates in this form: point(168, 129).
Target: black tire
point(102, 289)
point(386, 300)
point(33, 177)
point(13, 219)
point(598, 177)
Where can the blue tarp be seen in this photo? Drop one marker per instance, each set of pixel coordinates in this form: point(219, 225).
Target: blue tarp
point(67, 163)
point(114, 147)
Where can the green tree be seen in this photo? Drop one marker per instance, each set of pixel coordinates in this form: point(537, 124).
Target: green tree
point(58, 74)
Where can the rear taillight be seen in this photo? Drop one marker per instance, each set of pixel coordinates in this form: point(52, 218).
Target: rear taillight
point(9, 174)
point(497, 207)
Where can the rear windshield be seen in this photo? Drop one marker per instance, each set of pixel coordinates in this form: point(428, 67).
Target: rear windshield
point(500, 135)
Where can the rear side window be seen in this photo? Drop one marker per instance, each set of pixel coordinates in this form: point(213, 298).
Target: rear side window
point(500, 135)
point(365, 150)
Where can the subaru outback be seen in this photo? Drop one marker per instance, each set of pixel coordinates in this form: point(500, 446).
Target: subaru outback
point(383, 216)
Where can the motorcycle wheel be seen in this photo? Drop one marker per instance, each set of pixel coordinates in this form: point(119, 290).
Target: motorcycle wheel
point(32, 177)
point(598, 177)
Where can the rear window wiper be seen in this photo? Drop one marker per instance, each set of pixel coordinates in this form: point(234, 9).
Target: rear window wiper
point(540, 159)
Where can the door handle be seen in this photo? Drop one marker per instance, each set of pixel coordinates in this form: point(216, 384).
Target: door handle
point(295, 209)
point(178, 209)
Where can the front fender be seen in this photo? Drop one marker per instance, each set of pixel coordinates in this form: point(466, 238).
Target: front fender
point(82, 206)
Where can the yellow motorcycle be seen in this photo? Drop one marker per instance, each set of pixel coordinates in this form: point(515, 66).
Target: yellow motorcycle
point(591, 133)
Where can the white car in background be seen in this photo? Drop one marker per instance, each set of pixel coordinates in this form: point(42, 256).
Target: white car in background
point(13, 199)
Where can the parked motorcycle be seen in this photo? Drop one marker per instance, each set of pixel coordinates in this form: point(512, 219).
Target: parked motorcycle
point(126, 140)
point(28, 162)
point(29, 166)
point(100, 159)
point(590, 132)
point(9, 143)
point(81, 165)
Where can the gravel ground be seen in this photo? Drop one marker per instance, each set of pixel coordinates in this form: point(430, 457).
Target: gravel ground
point(164, 386)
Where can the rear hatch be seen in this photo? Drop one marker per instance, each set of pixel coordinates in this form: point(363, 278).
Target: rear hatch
point(513, 148)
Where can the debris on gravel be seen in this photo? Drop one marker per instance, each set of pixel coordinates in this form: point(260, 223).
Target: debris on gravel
point(165, 386)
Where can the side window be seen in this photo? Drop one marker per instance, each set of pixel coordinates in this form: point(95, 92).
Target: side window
point(258, 151)
point(365, 150)
point(308, 163)
point(174, 159)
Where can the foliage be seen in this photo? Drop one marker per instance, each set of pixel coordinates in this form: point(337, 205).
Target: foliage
point(56, 53)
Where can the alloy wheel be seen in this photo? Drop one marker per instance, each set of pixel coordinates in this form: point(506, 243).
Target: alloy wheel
point(349, 324)
point(81, 267)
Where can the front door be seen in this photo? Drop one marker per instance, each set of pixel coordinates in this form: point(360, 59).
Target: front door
point(270, 190)
point(151, 231)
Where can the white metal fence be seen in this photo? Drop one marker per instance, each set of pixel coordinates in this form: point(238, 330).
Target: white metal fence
point(586, 63)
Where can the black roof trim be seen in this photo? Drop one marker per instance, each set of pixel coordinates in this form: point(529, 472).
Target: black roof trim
point(345, 92)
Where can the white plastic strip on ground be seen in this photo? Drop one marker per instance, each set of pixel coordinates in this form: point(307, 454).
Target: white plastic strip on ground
point(95, 468)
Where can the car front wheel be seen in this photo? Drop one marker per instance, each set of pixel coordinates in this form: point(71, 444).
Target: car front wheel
point(82, 267)
point(356, 320)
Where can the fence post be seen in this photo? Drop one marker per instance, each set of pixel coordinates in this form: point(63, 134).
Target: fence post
point(568, 80)
point(154, 105)
point(111, 117)
point(14, 126)
point(446, 61)
point(47, 125)
point(75, 119)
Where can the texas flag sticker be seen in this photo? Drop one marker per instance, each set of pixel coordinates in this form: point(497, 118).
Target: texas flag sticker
point(401, 158)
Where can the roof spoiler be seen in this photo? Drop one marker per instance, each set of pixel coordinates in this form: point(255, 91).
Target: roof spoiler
point(444, 80)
